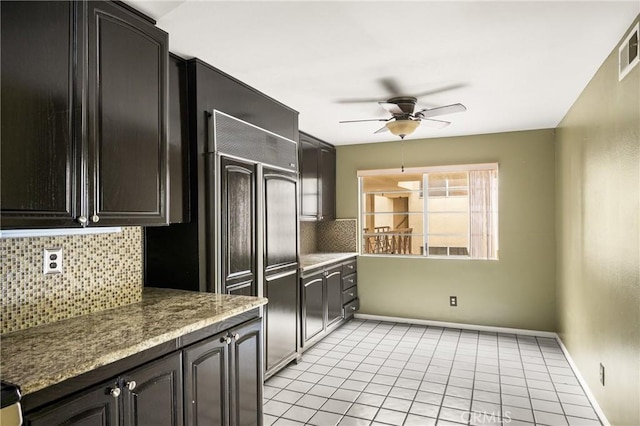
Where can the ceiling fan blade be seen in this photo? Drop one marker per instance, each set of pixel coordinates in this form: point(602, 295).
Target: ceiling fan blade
point(436, 124)
point(392, 108)
point(381, 130)
point(371, 119)
point(440, 90)
point(391, 85)
point(358, 100)
point(434, 112)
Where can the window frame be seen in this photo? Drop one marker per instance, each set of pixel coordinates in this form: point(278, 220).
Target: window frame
point(424, 171)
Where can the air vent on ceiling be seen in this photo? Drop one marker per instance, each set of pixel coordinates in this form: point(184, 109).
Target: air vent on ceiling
point(628, 53)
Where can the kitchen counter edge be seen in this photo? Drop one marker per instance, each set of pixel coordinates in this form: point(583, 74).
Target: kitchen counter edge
point(42, 356)
point(312, 261)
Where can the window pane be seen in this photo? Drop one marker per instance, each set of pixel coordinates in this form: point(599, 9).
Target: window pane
point(392, 214)
point(458, 217)
point(448, 214)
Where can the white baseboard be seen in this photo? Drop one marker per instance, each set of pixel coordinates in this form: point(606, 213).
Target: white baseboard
point(583, 383)
point(488, 328)
point(506, 330)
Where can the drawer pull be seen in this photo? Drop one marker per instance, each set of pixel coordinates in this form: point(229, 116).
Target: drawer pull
point(351, 294)
point(353, 308)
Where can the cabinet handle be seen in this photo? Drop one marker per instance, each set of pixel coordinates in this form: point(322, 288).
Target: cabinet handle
point(131, 385)
point(114, 392)
point(353, 308)
point(82, 220)
point(351, 280)
point(226, 340)
point(236, 337)
point(95, 218)
point(351, 294)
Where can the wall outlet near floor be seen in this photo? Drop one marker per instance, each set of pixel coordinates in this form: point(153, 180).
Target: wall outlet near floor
point(453, 300)
point(602, 374)
point(52, 261)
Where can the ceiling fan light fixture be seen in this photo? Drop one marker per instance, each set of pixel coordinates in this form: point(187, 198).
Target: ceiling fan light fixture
point(402, 128)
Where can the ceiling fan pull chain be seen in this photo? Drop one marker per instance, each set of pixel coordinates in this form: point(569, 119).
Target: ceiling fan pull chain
point(402, 153)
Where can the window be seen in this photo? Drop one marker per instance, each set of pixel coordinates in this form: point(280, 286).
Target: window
point(449, 211)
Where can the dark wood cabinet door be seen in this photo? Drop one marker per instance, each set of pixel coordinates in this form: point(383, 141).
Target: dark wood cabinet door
point(127, 117)
point(246, 374)
point(327, 182)
point(95, 407)
point(313, 306)
point(237, 223)
point(309, 184)
point(39, 162)
point(280, 220)
point(206, 382)
point(281, 317)
point(153, 393)
point(334, 295)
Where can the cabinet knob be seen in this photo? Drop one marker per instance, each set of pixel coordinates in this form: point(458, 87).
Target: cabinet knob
point(351, 294)
point(82, 220)
point(353, 308)
point(236, 337)
point(351, 280)
point(114, 392)
point(226, 340)
point(95, 218)
point(131, 385)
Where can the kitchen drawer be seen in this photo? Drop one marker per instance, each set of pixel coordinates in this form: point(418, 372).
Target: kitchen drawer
point(349, 281)
point(351, 307)
point(350, 267)
point(349, 294)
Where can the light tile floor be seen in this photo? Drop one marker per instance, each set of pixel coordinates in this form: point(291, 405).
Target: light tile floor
point(381, 373)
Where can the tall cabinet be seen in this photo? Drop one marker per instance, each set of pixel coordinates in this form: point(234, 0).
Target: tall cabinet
point(84, 116)
point(242, 234)
point(317, 178)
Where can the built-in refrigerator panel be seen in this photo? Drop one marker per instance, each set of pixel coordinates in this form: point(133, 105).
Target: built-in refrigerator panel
point(280, 260)
point(238, 236)
point(254, 227)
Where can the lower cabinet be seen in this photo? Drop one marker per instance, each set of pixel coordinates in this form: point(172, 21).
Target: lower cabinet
point(215, 381)
point(223, 378)
point(326, 303)
point(149, 395)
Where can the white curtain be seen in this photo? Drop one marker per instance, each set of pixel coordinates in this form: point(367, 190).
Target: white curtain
point(483, 208)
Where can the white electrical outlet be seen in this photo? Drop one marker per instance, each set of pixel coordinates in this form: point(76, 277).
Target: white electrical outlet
point(52, 261)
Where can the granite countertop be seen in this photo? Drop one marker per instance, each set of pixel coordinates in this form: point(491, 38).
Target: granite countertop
point(42, 356)
point(316, 260)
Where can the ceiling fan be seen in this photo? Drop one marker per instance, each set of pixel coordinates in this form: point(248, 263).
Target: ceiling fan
point(404, 120)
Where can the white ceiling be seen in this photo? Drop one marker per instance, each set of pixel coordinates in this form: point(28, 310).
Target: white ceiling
point(521, 64)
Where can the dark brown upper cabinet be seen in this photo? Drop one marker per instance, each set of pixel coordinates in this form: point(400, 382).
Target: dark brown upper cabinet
point(317, 179)
point(84, 116)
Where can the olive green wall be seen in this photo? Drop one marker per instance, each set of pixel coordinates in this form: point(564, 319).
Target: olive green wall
point(516, 291)
point(598, 274)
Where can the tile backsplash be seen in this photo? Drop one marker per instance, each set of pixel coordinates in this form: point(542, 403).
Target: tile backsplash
point(100, 271)
point(331, 236)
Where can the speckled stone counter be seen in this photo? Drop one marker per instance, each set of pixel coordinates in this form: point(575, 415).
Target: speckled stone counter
point(316, 260)
point(43, 356)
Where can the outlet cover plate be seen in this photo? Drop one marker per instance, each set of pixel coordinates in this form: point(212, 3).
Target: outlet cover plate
point(52, 261)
